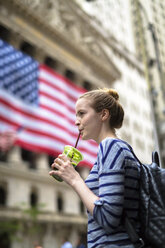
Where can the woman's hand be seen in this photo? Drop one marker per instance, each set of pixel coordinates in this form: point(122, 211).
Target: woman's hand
point(65, 169)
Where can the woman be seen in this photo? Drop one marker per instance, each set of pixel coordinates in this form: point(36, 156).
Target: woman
point(112, 184)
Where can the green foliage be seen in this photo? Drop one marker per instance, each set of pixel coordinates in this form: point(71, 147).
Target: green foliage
point(33, 227)
point(30, 227)
point(34, 211)
point(9, 228)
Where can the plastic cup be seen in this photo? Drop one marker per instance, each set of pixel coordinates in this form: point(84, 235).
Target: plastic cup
point(74, 155)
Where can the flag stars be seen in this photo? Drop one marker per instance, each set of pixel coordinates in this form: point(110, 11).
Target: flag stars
point(19, 73)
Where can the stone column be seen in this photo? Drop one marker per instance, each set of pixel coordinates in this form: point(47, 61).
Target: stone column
point(14, 154)
point(42, 162)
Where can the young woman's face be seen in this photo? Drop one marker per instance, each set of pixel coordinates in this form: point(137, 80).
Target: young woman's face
point(87, 120)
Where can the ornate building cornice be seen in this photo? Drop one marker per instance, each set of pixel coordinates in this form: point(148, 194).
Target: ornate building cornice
point(40, 28)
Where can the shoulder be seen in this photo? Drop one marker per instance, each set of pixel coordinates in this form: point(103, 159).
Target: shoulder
point(112, 152)
point(111, 144)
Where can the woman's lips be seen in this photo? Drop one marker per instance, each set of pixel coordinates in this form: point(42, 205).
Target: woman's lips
point(80, 131)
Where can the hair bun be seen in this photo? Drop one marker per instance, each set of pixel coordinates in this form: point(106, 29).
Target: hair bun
point(113, 93)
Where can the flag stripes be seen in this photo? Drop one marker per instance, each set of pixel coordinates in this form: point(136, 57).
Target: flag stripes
point(42, 103)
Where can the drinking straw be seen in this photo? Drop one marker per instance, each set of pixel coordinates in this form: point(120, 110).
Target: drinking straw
point(76, 145)
point(77, 140)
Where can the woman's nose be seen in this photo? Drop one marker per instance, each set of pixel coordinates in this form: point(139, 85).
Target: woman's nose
point(77, 122)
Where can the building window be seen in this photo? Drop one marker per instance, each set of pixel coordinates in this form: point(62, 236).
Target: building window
point(30, 157)
point(33, 199)
point(27, 48)
point(50, 62)
point(5, 239)
point(60, 204)
point(70, 75)
point(2, 196)
point(50, 160)
point(87, 85)
point(4, 33)
point(3, 156)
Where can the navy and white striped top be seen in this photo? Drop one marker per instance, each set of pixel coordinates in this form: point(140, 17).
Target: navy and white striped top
point(115, 179)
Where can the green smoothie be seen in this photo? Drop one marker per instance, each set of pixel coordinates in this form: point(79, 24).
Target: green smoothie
point(74, 155)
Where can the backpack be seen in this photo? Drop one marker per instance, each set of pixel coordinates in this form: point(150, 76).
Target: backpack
point(152, 206)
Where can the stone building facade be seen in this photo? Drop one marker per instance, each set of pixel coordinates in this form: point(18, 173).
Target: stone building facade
point(60, 34)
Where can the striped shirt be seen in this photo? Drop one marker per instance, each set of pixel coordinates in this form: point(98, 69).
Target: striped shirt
point(114, 178)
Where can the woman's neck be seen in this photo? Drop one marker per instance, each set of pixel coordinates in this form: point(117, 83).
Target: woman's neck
point(103, 135)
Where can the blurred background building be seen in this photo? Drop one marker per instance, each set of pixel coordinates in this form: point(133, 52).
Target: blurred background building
point(99, 43)
point(139, 27)
point(148, 24)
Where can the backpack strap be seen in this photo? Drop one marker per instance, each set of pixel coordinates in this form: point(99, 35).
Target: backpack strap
point(134, 237)
point(155, 158)
point(131, 149)
point(155, 155)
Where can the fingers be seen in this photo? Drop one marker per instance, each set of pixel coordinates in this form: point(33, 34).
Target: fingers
point(63, 157)
point(58, 161)
point(56, 169)
point(56, 165)
point(60, 165)
point(55, 172)
point(61, 160)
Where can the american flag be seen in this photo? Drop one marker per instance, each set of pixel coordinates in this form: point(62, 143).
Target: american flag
point(40, 104)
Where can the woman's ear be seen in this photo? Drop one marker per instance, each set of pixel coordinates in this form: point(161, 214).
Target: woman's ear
point(105, 114)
